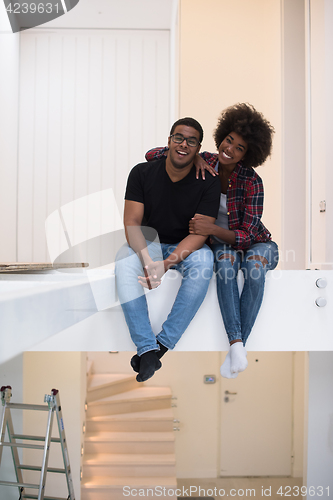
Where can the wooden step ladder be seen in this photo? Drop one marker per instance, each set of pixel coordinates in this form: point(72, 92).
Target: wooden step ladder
point(53, 407)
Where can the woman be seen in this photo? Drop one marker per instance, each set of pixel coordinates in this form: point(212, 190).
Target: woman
point(238, 238)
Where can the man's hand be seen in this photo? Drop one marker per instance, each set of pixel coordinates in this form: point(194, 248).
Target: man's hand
point(201, 224)
point(153, 274)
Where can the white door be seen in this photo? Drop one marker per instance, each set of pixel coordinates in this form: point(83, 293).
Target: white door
point(256, 417)
point(320, 130)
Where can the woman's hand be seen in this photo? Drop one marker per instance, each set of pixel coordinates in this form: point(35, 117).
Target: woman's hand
point(199, 224)
point(201, 166)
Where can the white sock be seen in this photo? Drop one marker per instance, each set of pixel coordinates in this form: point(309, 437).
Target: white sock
point(238, 361)
point(225, 368)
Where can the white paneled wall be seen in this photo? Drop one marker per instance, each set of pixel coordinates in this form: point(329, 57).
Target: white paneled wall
point(9, 71)
point(91, 103)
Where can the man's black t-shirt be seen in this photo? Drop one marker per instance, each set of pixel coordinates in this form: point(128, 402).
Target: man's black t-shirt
point(169, 206)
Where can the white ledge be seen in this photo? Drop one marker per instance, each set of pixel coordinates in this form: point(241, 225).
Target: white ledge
point(289, 319)
point(34, 307)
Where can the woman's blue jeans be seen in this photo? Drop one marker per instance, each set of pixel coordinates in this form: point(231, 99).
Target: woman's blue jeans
point(240, 312)
point(196, 270)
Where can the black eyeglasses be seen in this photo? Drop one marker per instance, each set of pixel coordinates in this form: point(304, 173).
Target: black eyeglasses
point(190, 141)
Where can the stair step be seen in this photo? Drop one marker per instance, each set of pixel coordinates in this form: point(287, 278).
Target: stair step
point(107, 458)
point(139, 393)
point(115, 488)
point(143, 421)
point(142, 482)
point(100, 379)
point(141, 399)
point(130, 442)
point(104, 385)
point(129, 465)
point(129, 437)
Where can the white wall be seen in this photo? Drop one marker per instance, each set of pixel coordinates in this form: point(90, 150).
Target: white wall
point(231, 52)
point(320, 423)
point(299, 411)
point(9, 67)
point(293, 134)
point(11, 373)
point(143, 14)
point(66, 372)
point(257, 51)
point(31, 376)
point(197, 409)
point(92, 102)
point(24, 207)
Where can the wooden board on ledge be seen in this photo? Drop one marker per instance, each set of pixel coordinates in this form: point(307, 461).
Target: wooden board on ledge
point(7, 267)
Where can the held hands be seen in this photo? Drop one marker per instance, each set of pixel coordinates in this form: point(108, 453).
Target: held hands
point(153, 274)
point(200, 225)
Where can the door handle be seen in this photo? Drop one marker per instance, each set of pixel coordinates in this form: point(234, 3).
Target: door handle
point(227, 392)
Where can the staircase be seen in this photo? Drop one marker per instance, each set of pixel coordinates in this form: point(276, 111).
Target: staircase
point(129, 440)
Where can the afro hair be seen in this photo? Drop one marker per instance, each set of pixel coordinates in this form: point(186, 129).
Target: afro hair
point(254, 129)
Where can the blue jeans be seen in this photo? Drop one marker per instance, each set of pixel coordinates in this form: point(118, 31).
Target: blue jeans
point(196, 269)
point(240, 312)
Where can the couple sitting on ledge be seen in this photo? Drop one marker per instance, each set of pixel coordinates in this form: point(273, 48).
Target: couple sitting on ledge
point(204, 222)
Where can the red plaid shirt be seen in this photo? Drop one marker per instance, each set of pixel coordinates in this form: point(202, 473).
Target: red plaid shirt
point(245, 201)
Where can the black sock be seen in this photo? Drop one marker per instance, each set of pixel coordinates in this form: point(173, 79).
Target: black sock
point(162, 350)
point(135, 361)
point(149, 363)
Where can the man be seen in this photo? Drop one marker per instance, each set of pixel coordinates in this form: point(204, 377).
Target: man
point(164, 195)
